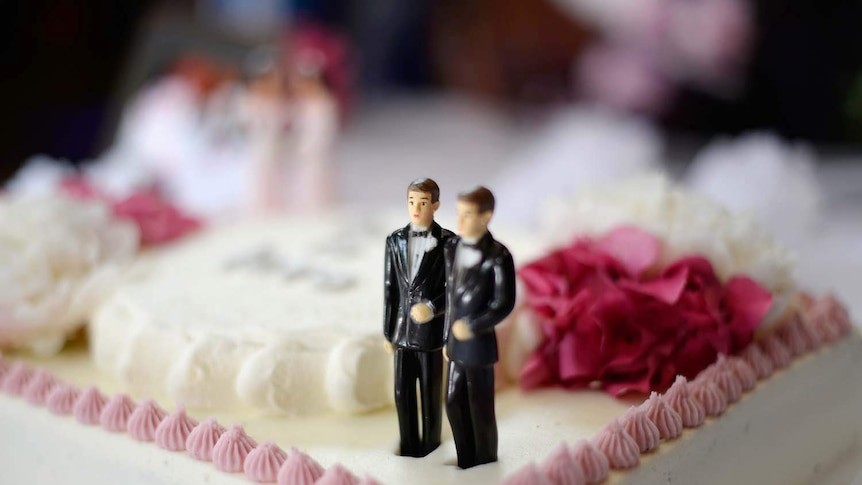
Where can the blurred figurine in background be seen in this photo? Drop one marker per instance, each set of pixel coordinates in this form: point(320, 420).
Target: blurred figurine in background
point(296, 123)
point(265, 113)
point(414, 295)
point(480, 293)
point(314, 129)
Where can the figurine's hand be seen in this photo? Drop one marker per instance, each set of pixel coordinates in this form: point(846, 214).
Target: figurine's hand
point(387, 346)
point(421, 313)
point(461, 330)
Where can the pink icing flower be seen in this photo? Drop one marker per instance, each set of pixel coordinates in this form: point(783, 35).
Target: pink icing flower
point(231, 450)
point(117, 412)
point(337, 475)
point(263, 463)
point(62, 399)
point(203, 439)
point(668, 421)
point(158, 221)
point(299, 469)
point(593, 462)
point(40, 386)
point(145, 420)
point(16, 378)
point(89, 406)
point(560, 467)
point(680, 400)
point(606, 316)
point(620, 448)
point(174, 430)
point(641, 429)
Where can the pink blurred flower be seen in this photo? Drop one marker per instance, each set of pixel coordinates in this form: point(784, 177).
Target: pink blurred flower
point(158, 221)
point(607, 316)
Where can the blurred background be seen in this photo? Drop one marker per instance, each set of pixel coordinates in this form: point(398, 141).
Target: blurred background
point(237, 108)
point(698, 68)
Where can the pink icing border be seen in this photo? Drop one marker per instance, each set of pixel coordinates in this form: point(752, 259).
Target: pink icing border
point(726, 371)
point(812, 326)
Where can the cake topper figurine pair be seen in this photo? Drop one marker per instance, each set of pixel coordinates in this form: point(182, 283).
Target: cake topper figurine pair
point(446, 290)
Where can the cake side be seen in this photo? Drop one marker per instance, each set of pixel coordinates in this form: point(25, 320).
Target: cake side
point(793, 429)
point(785, 416)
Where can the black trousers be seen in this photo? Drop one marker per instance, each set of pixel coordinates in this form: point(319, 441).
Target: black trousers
point(426, 368)
point(470, 408)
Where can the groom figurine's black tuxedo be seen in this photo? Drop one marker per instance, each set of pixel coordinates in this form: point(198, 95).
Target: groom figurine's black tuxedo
point(481, 292)
point(418, 347)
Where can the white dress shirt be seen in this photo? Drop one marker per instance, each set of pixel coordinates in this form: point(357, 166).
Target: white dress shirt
point(416, 249)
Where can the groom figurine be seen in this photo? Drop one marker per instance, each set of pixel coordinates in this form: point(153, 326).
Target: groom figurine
point(414, 291)
point(480, 293)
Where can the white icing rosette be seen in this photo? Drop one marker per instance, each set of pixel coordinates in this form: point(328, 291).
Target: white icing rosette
point(56, 257)
point(685, 223)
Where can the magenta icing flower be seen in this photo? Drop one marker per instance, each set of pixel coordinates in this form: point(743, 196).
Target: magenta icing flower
point(158, 221)
point(608, 316)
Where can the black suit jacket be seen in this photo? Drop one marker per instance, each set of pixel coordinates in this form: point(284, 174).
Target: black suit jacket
point(401, 294)
point(484, 295)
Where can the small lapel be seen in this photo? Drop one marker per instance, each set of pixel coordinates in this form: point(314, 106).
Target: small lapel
point(403, 234)
point(435, 231)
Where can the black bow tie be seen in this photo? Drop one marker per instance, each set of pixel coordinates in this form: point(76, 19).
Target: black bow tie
point(418, 233)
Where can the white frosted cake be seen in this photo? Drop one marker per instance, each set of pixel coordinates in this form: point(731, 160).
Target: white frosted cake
point(275, 327)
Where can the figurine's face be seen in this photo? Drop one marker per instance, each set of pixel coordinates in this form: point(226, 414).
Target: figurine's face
point(420, 208)
point(471, 222)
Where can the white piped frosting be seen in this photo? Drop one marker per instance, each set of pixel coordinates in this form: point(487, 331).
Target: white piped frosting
point(310, 349)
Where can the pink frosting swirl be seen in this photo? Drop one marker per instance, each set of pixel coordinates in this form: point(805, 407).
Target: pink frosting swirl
point(815, 341)
point(15, 379)
point(620, 448)
point(725, 378)
point(744, 373)
point(528, 475)
point(668, 421)
point(593, 462)
point(115, 416)
point(172, 432)
point(299, 469)
point(793, 337)
point(680, 399)
point(337, 475)
point(641, 429)
point(263, 463)
point(62, 399)
point(759, 362)
point(89, 406)
point(839, 315)
point(37, 390)
point(560, 467)
point(777, 352)
point(203, 439)
point(709, 395)
point(231, 450)
point(145, 419)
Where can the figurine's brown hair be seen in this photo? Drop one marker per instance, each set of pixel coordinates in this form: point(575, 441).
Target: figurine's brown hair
point(425, 185)
point(481, 196)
